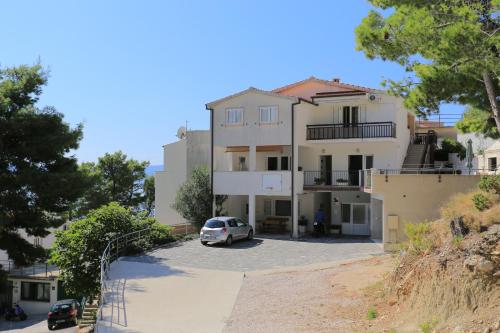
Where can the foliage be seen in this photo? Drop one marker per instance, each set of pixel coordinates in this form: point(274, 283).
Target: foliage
point(219, 205)
point(3, 280)
point(453, 146)
point(490, 184)
point(475, 120)
point(39, 178)
point(372, 313)
point(457, 240)
point(428, 326)
point(77, 251)
point(419, 240)
point(114, 178)
point(149, 194)
point(481, 202)
point(448, 47)
point(194, 200)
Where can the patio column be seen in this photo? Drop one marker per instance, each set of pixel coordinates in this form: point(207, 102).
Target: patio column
point(295, 216)
point(251, 210)
point(252, 155)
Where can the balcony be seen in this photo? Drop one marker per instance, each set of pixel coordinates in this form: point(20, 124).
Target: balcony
point(351, 131)
point(333, 180)
point(253, 182)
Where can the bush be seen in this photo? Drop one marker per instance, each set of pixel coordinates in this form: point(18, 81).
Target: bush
point(481, 201)
point(490, 184)
point(419, 237)
point(77, 251)
point(453, 146)
point(372, 314)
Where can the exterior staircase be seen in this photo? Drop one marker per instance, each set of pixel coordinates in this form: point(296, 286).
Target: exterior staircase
point(414, 156)
point(88, 316)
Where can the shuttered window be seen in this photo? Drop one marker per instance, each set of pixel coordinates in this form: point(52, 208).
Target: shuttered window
point(268, 114)
point(234, 116)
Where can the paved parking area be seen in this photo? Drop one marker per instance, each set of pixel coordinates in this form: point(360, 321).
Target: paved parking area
point(34, 324)
point(262, 253)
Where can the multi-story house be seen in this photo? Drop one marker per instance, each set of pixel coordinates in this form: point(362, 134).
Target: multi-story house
point(288, 152)
point(279, 156)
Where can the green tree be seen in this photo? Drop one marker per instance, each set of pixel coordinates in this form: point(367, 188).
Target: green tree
point(449, 46)
point(114, 178)
point(39, 178)
point(77, 251)
point(193, 200)
point(149, 194)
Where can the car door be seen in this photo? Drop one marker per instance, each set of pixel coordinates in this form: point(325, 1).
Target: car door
point(243, 228)
point(233, 228)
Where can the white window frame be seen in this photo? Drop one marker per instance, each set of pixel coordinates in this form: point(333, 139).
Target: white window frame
point(234, 116)
point(271, 113)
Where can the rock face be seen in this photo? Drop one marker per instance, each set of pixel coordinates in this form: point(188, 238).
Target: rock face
point(483, 257)
point(458, 227)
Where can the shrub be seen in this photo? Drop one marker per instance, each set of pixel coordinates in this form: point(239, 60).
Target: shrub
point(457, 240)
point(419, 237)
point(490, 184)
point(481, 201)
point(453, 146)
point(491, 216)
point(372, 313)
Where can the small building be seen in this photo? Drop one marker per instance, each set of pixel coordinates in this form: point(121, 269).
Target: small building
point(34, 288)
point(489, 159)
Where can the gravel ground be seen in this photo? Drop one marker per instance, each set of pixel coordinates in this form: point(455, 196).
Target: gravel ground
point(325, 300)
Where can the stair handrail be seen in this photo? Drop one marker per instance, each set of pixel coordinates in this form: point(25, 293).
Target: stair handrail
point(110, 254)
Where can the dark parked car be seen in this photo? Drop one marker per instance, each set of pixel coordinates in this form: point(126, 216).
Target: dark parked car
point(66, 311)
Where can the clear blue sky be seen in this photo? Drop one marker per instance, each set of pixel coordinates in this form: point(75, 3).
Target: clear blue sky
point(134, 71)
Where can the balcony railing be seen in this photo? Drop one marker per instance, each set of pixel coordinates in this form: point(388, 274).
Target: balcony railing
point(351, 131)
point(332, 178)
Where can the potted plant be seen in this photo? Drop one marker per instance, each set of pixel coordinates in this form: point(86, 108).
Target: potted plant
point(319, 181)
point(302, 224)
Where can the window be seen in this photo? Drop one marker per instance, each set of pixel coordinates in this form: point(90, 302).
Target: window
point(284, 163)
point(242, 166)
point(492, 163)
point(369, 162)
point(272, 163)
point(283, 208)
point(268, 114)
point(234, 116)
point(240, 223)
point(35, 291)
point(267, 208)
point(214, 224)
point(232, 223)
point(350, 115)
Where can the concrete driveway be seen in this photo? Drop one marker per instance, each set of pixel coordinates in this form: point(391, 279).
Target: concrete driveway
point(188, 287)
point(34, 324)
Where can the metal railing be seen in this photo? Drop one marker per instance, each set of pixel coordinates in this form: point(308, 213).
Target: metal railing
point(332, 178)
point(36, 270)
point(367, 174)
point(113, 250)
point(351, 131)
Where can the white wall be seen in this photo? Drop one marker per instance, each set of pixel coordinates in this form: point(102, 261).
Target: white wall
point(179, 160)
point(31, 307)
point(251, 132)
point(246, 182)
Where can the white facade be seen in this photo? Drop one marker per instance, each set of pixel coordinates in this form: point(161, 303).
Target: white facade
point(338, 130)
point(179, 160)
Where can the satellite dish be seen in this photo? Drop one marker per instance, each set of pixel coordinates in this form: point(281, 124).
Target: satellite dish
point(181, 132)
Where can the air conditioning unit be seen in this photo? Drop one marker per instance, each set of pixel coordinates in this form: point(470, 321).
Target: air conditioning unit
point(372, 97)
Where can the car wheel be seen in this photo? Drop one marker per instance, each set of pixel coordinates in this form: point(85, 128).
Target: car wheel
point(250, 235)
point(52, 327)
point(204, 243)
point(229, 240)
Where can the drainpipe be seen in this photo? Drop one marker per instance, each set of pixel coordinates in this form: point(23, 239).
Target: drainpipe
point(211, 156)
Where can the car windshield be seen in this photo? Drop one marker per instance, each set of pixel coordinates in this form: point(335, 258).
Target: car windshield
point(57, 307)
point(214, 224)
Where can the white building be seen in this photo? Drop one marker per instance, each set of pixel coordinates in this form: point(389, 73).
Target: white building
point(280, 155)
point(179, 159)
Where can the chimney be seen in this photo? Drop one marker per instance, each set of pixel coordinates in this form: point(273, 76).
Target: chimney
point(336, 79)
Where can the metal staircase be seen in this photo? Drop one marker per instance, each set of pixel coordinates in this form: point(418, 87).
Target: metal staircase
point(420, 153)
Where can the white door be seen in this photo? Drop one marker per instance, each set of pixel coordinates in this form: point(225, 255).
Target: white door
point(355, 219)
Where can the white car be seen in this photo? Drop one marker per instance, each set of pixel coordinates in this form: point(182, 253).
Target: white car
point(225, 229)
